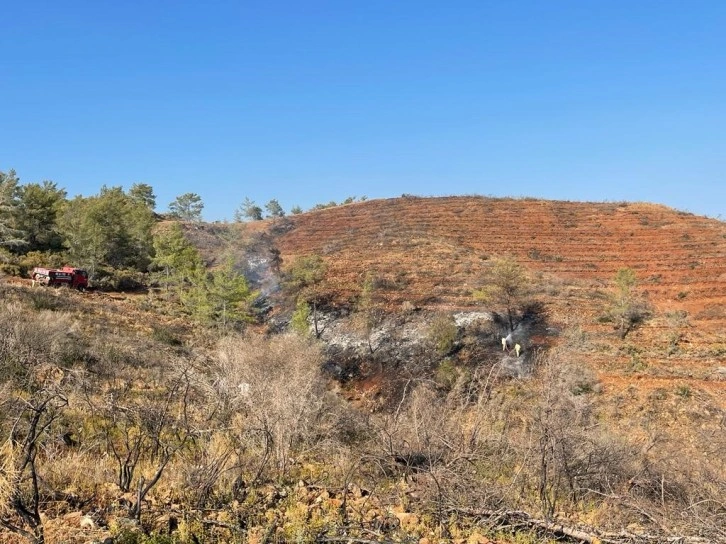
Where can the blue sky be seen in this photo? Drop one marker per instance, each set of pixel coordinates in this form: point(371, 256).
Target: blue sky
point(308, 102)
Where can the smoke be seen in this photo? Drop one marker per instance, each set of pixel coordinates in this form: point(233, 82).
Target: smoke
point(260, 272)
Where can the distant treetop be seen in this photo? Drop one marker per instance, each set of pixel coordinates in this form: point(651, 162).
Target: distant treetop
point(249, 210)
point(187, 207)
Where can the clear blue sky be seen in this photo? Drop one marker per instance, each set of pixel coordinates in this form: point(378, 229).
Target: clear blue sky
point(308, 101)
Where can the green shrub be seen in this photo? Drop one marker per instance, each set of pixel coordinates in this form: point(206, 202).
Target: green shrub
point(9, 269)
point(683, 391)
point(119, 280)
point(447, 374)
point(46, 259)
point(443, 333)
point(636, 364)
point(165, 335)
point(300, 321)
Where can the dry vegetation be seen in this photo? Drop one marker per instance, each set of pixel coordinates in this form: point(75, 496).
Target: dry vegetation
point(432, 252)
point(400, 424)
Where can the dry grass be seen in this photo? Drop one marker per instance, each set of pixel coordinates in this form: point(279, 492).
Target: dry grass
point(8, 475)
point(629, 432)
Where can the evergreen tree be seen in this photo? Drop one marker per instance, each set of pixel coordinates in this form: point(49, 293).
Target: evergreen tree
point(194, 295)
point(248, 210)
point(109, 229)
point(274, 209)
point(10, 236)
point(304, 278)
point(627, 307)
point(37, 215)
point(175, 256)
point(301, 317)
point(144, 194)
point(507, 286)
point(230, 295)
point(219, 297)
point(187, 207)
point(80, 235)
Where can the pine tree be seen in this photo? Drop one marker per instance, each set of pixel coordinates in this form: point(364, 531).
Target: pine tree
point(248, 210)
point(274, 209)
point(627, 307)
point(507, 286)
point(175, 257)
point(10, 236)
point(39, 207)
point(300, 318)
point(144, 194)
point(304, 278)
point(230, 295)
point(187, 207)
point(110, 229)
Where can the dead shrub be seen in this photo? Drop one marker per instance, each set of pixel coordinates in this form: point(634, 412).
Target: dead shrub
point(74, 475)
point(30, 340)
point(572, 458)
point(199, 472)
point(275, 389)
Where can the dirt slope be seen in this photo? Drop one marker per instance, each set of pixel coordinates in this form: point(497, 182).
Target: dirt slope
point(436, 245)
point(431, 252)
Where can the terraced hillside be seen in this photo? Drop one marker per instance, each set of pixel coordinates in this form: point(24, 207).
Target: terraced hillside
point(431, 252)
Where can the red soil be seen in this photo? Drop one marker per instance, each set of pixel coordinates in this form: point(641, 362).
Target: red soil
point(432, 252)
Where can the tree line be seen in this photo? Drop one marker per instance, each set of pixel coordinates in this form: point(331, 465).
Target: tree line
point(121, 241)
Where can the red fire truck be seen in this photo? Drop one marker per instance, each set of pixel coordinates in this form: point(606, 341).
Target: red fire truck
point(75, 278)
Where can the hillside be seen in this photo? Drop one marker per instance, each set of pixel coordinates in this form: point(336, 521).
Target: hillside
point(406, 420)
point(431, 252)
point(432, 248)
